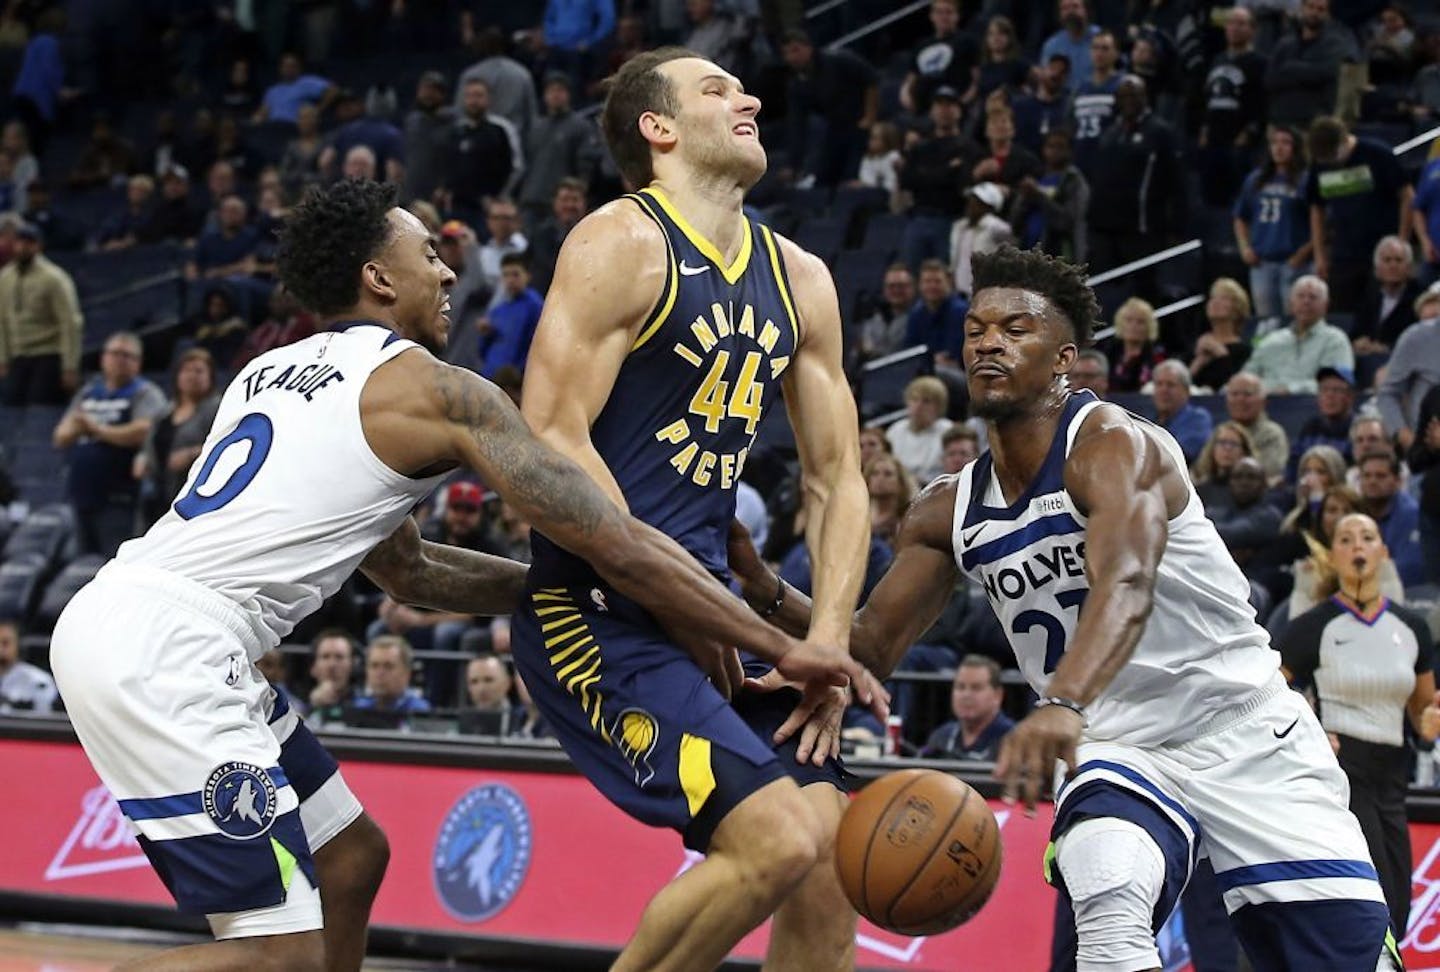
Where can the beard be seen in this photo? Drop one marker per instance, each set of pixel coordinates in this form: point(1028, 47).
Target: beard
point(718, 156)
point(995, 409)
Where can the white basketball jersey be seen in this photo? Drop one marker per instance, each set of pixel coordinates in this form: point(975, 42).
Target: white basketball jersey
point(287, 497)
point(1201, 651)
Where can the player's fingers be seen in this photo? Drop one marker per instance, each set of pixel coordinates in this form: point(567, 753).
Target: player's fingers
point(811, 738)
point(878, 700)
point(1034, 775)
point(733, 669)
point(768, 682)
point(1005, 768)
point(721, 677)
point(798, 718)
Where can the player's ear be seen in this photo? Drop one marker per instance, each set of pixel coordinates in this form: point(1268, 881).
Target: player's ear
point(376, 280)
point(1064, 358)
point(657, 129)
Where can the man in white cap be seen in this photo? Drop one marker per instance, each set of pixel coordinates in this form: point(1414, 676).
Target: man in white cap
point(980, 230)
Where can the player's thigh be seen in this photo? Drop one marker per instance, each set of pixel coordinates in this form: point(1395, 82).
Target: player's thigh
point(636, 715)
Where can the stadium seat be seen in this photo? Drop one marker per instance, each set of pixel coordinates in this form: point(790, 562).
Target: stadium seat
point(1291, 411)
point(19, 583)
point(42, 536)
point(884, 232)
point(859, 274)
point(822, 236)
point(76, 575)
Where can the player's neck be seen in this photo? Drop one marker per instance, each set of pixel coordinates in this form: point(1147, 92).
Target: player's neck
point(714, 209)
point(361, 312)
point(1020, 443)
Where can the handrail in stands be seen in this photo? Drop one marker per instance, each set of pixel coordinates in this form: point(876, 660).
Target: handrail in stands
point(1163, 312)
point(821, 8)
point(1417, 141)
point(169, 276)
point(876, 24)
point(884, 421)
point(1159, 256)
point(902, 355)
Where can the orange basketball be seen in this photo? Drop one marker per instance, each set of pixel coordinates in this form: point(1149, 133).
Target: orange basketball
point(918, 852)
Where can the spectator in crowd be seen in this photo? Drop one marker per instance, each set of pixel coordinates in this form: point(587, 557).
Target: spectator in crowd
point(228, 251)
point(286, 323)
point(1190, 424)
point(1425, 215)
point(1005, 161)
point(1286, 360)
point(230, 147)
point(509, 327)
point(959, 446)
point(470, 293)
point(718, 36)
point(938, 320)
point(891, 489)
point(872, 443)
point(426, 136)
point(1395, 510)
point(1272, 221)
point(15, 142)
point(197, 147)
point(1338, 502)
point(1245, 405)
point(122, 230)
point(977, 730)
point(220, 183)
point(1367, 434)
point(219, 328)
point(356, 127)
point(1046, 108)
point(24, 688)
point(1304, 69)
point(462, 524)
point(502, 222)
point(930, 172)
point(1370, 664)
point(1093, 107)
point(300, 165)
point(241, 94)
point(1222, 350)
point(1049, 210)
point(173, 443)
point(508, 82)
point(915, 439)
point(1234, 119)
point(830, 104)
point(1138, 197)
point(1423, 97)
point(947, 59)
point(40, 326)
point(1423, 455)
point(1229, 443)
point(1388, 306)
point(108, 420)
point(479, 160)
point(1002, 63)
point(1134, 350)
point(1357, 195)
point(174, 218)
point(1320, 467)
point(1072, 40)
point(981, 230)
point(488, 684)
point(39, 86)
point(389, 664)
point(1246, 522)
point(283, 99)
point(568, 206)
point(360, 164)
point(1414, 370)
point(1091, 372)
point(574, 31)
point(59, 231)
point(883, 332)
point(1335, 412)
point(556, 147)
point(104, 160)
point(880, 165)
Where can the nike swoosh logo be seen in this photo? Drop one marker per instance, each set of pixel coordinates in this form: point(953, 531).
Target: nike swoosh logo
point(1282, 735)
point(973, 534)
point(689, 271)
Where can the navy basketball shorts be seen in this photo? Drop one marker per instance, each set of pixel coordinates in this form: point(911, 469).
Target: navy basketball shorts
point(640, 719)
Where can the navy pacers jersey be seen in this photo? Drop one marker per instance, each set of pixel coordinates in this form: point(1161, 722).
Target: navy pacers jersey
point(691, 393)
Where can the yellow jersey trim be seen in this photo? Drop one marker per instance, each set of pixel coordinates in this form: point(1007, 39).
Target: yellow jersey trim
point(733, 271)
point(697, 777)
point(666, 303)
point(777, 267)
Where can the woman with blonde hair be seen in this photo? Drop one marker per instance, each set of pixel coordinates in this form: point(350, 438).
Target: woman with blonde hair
point(1222, 350)
point(1228, 444)
point(891, 489)
point(1339, 501)
point(1368, 664)
point(1133, 351)
point(1320, 468)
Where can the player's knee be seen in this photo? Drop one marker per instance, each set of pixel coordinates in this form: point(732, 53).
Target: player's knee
point(780, 837)
point(355, 861)
point(1114, 872)
point(372, 854)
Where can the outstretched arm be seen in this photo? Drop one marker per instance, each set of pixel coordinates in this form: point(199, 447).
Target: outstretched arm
point(443, 577)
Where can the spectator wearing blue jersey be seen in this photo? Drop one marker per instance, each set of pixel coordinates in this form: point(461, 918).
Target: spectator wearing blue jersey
point(1272, 221)
point(1330, 425)
point(1045, 109)
point(357, 127)
point(574, 30)
point(284, 98)
point(39, 86)
point(1093, 107)
point(1049, 210)
point(1396, 511)
point(1190, 424)
point(1426, 218)
point(938, 320)
point(508, 329)
point(1072, 40)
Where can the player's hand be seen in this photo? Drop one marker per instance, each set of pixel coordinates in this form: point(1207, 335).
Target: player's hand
point(1028, 754)
point(720, 663)
point(818, 714)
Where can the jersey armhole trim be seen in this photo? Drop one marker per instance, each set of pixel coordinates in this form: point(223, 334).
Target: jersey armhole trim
point(782, 281)
point(666, 303)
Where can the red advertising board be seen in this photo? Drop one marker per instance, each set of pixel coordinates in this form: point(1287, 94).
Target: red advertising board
point(556, 862)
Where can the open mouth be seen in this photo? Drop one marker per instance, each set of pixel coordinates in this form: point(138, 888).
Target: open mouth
point(747, 128)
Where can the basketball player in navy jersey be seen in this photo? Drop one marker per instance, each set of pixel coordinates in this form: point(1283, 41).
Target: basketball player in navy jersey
point(672, 324)
point(1132, 625)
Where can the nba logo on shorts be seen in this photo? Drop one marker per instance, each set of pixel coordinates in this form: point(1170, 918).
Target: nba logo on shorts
point(483, 852)
point(240, 798)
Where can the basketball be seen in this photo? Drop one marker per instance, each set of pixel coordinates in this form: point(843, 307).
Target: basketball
point(918, 852)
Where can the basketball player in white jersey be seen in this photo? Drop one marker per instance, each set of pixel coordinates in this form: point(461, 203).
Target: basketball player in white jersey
point(1131, 623)
point(317, 455)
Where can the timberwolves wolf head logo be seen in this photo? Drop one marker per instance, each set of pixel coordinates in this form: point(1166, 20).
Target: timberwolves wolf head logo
point(483, 852)
point(240, 798)
point(635, 733)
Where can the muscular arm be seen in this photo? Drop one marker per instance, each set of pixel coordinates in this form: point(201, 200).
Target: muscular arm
point(439, 576)
point(822, 411)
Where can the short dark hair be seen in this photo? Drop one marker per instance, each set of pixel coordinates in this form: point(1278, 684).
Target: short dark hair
point(1380, 455)
point(1325, 137)
point(327, 239)
point(515, 260)
point(960, 431)
point(986, 662)
point(636, 88)
point(795, 36)
point(1060, 282)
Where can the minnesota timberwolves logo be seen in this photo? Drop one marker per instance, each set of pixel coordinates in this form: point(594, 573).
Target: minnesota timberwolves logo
point(483, 852)
point(240, 798)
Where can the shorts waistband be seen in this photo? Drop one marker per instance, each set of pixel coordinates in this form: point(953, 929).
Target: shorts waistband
point(1233, 715)
point(190, 594)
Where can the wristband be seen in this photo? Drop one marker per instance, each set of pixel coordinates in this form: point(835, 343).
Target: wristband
point(779, 600)
point(1070, 704)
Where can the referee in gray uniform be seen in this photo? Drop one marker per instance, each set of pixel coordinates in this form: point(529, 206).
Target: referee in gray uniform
point(1369, 663)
